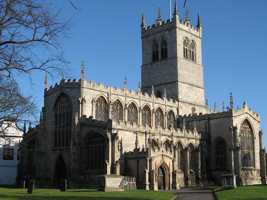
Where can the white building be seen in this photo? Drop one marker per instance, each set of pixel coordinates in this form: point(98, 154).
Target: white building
point(10, 137)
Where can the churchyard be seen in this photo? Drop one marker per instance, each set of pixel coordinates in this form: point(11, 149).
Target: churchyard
point(80, 194)
point(244, 193)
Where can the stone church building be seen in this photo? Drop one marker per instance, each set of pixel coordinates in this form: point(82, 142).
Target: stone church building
point(162, 136)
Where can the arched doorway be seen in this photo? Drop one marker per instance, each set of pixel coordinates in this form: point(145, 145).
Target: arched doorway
point(163, 177)
point(60, 172)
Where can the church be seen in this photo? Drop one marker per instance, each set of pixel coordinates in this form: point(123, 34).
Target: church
point(162, 136)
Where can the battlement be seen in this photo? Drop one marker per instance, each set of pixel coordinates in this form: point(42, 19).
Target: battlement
point(63, 83)
point(129, 93)
point(88, 84)
point(175, 22)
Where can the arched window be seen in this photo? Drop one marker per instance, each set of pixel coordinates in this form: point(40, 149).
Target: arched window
point(159, 119)
point(171, 123)
point(117, 111)
point(189, 50)
point(193, 51)
point(192, 157)
point(95, 153)
point(220, 154)
point(146, 116)
point(132, 114)
point(164, 49)
point(101, 111)
point(181, 157)
point(247, 145)
point(63, 121)
point(155, 52)
point(186, 48)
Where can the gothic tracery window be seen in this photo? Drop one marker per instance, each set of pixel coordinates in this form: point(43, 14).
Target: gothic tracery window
point(155, 52)
point(117, 111)
point(171, 120)
point(146, 116)
point(95, 152)
point(159, 119)
point(192, 157)
point(247, 145)
point(193, 51)
point(164, 49)
point(132, 114)
point(220, 154)
point(181, 157)
point(101, 110)
point(63, 121)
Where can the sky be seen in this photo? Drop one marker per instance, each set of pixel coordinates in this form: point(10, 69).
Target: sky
point(105, 35)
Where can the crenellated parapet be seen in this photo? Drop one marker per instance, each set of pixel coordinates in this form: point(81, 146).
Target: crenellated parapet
point(161, 25)
point(71, 83)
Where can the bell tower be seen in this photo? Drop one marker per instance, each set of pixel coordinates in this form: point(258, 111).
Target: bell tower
point(172, 61)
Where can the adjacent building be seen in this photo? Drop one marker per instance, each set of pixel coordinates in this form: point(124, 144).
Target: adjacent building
point(10, 138)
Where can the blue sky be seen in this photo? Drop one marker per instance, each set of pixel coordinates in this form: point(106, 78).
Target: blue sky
point(106, 36)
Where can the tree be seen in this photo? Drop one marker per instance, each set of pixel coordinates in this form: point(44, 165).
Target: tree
point(30, 33)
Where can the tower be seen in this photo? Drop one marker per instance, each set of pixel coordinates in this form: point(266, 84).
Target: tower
point(172, 61)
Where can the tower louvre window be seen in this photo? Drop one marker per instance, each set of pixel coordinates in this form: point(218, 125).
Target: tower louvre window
point(164, 49)
point(155, 52)
point(189, 50)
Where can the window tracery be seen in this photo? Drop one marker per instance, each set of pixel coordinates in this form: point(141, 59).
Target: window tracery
point(132, 114)
point(117, 111)
point(101, 112)
point(146, 116)
point(220, 154)
point(171, 120)
point(189, 49)
point(159, 119)
point(155, 52)
point(63, 121)
point(247, 145)
point(164, 49)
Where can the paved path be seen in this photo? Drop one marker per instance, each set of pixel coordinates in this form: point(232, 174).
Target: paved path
point(194, 194)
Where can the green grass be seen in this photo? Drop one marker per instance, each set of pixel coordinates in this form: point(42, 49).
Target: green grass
point(82, 194)
point(244, 193)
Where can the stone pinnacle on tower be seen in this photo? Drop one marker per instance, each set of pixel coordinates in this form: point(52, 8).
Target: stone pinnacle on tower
point(125, 82)
point(46, 81)
point(175, 10)
point(82, 72)
point(158, 21)
point(199, 22)
point(143, 22)
point(152, 90)
point(231, 101)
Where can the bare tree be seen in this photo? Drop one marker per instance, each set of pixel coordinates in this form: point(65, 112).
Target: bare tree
point(30, 33)
point(13, 105)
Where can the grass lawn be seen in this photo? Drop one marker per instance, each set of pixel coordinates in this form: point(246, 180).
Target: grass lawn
point(244, 193)
point(52, 194)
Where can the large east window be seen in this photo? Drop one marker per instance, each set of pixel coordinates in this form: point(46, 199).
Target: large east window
point(247, 145)
point(63, 121)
